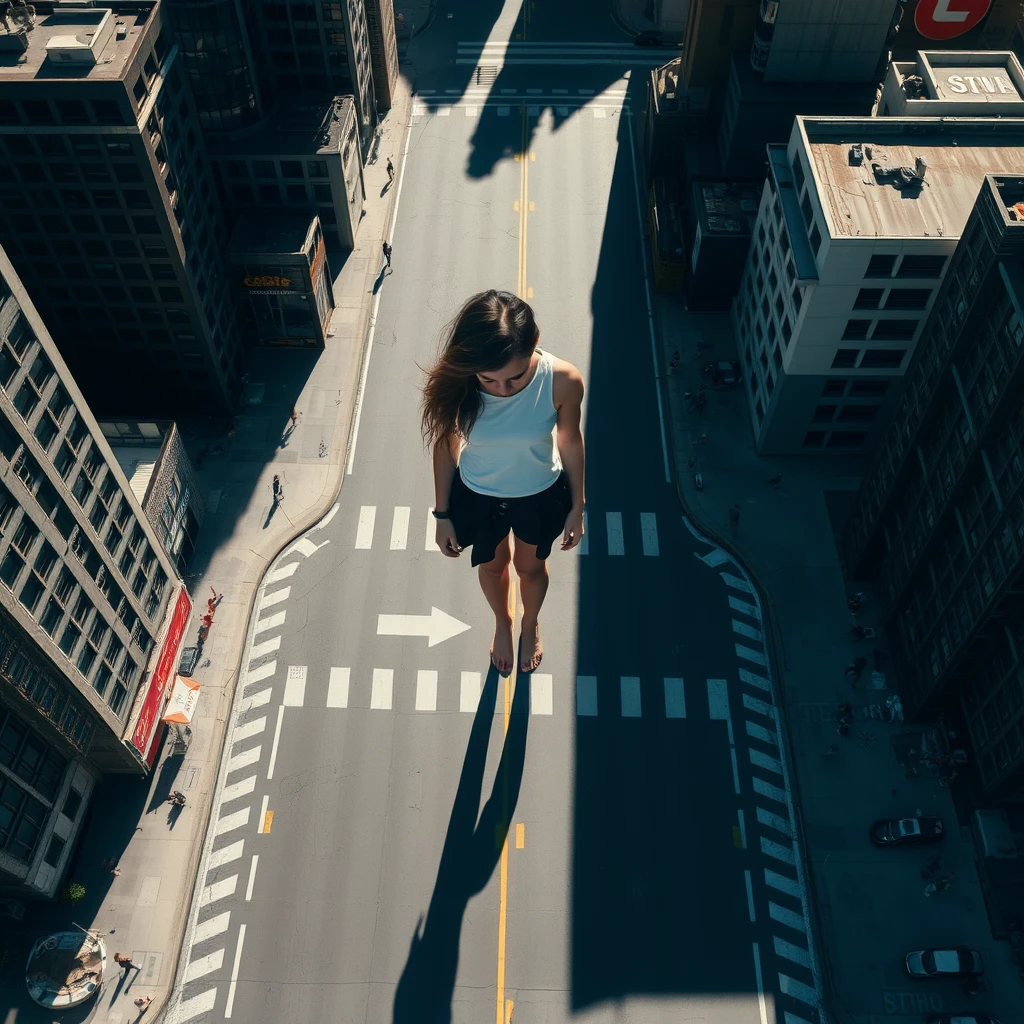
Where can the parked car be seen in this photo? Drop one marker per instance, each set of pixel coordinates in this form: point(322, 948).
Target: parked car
point(964, 1018)
point(724, 374)
point(906, 831)
point(955, 962)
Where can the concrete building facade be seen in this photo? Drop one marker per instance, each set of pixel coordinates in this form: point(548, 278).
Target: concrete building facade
point(857, 222)
point(109, 212)
point(939, 519)
point(90, 606)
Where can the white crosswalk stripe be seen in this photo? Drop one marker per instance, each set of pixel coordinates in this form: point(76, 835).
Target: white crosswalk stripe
point(743, 607)
point(748, 631)
point(778, 851)
point(263, 648)
point(210, 929)
point(189, 1009)
point(759, 707)
point(613, 526)
point(675, 698)
point(229, 822)
point(270, 622)
point(749, 654)
point(383, 688)
point(238, 789)
point(791, 952)
point(469, 691)
point(218, 891)
point(244, 758)
point(204, 965)
point(498, 54)
point(586, 696)
point(775, 821)
point(649, 533)
point(790, 886)
point(630, 690)
point(282, 572)
point(269, 600)
point(295, 687)
point(247, 731)
point(789, 918)
point(759, 732)
point(337, 688)
point(364, 528)
point(766, 789)
point(752, 679)
point(226, 854)
point(798, 990)
point(426, 690)
point(764, 761)
point(256, 675)
point(256, 700)
point(400, 528)
point(542, 697)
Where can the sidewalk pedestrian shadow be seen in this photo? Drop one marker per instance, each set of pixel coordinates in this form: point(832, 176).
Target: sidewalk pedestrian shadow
point(270, 514)
point(286, 436)
point(384, 191)
point(384, 271)
point(165, 780)
point(173, 815)
point(472, 849)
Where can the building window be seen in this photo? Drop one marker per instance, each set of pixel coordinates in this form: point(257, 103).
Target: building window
point(895, 330)
point(845, 358)
point(847, 438)
point(264, 169)
point(856, 330)
point(880, 266)
point(908, 298)
point(798, 173)
point(26, 755)
point(883, 359)
point(807, 211)
point(858, 413)
point(815, 239)
point(317, 168)
point(868, 388)
point(814, 439)
point(21, 821)
point(868, 298)
point(921, 266)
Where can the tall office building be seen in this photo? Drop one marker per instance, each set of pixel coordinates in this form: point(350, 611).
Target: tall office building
point(108, 207)
point(857, 222)
point(91, 610)
point(939, 519)
point(714, 29)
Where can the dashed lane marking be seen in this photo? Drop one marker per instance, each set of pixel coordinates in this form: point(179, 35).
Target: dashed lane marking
point(613, 526)
point(649, 533)
point(789, 918)
point(542, 698)
point(256, 700)
point(383, 688)
point(586, 696)
point(718, 700)
point(400, 528)
point(469, 691)
point(306, 547)
point(629, 688)
point(426, 690)
point(337, 688)
point(364, 528)
point(675, 698)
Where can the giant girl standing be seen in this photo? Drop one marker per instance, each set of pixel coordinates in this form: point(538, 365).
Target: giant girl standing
point(502, 418)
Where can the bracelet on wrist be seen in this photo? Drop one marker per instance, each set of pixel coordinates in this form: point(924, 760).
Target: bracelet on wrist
point(440, 514)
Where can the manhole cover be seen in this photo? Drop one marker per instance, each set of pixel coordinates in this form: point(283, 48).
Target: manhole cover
point(485, 74)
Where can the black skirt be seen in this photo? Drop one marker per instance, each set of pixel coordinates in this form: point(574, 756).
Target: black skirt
point(483, 522)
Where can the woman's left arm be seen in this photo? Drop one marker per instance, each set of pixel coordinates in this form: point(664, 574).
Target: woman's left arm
point(567, 394)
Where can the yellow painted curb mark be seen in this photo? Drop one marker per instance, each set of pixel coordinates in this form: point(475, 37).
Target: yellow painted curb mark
point(268, 820)
point(520, 835)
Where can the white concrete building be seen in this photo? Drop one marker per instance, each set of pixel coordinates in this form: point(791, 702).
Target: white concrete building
point(857, 220)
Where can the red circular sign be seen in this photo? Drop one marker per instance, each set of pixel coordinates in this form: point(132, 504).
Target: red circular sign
point(947, 19)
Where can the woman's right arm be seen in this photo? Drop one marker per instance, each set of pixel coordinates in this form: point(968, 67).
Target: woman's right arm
point(445, 461)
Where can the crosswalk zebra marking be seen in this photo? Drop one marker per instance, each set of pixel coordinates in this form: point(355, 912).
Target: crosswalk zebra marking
point(649, 533)
point(364, 527)
point(430, 544)
point(542, 698)
point(264, 648)
point(775, 821)
point(798, 990)
point(759, 707)
point(586, 696)
point(426, 690)
point(244, 758)
point(753, 679)
point(613, 526)
point(759, 732)
point(269, 600)
point(238, 789)
point(282, 572)
point(789, 918)
point(792, 1018)
point(766, 789)
point(248, 730)
point(212, 928)
point(790, 886)
point(743, 607)
point(257, 675)
point(761, 760)
point(193, 1007)
point(226, 855)
point(382, 690)
point(791, 952)
point(270, 622)
point(714, 558)
point(599, 112)
point(748, 654)
point(629, 687)
point(718, 700)
point(229, 822)
point(218, 891)
point(470, 688)
point(748, 631)
point(781, 853)
point(675, 698)
point(337, 688)
point(295, 687)
point(736, 582)
point(257, 700)
point(204, 965)
point(400, 528)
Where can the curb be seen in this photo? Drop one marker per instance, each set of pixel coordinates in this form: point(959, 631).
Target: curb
point(309, 522)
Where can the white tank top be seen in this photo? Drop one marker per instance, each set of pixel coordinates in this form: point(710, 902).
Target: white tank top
point(511, 451)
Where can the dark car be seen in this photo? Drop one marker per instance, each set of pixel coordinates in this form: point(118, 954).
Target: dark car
point(724, 374)
point(906, 831)
point(957, 962)
point(963, 1018)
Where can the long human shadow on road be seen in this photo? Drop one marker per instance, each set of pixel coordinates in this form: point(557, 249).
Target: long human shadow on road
point(472, 848)
point(657, 900)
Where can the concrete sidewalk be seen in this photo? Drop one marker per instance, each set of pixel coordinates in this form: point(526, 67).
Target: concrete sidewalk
point(143, 909)
point(869, 903)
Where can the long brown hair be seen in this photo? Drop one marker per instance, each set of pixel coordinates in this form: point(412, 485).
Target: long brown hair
point(490, 330)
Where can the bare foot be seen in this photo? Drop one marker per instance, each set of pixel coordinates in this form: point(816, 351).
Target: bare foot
point(501, 647)
point(531, 649)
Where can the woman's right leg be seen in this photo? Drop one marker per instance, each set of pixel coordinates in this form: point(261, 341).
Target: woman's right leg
point(494, 582)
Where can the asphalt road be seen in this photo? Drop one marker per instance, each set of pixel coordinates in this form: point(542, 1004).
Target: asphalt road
point(404, 836)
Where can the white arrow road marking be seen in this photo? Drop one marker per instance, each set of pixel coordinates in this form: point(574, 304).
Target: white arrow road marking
point(438, 626)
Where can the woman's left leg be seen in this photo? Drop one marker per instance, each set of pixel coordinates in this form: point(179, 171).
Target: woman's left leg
point(533, 576)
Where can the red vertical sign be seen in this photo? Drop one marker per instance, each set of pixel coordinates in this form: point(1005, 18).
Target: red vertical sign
point(142, 736)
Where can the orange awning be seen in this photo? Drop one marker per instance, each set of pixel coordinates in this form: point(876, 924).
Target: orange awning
point(181, 704)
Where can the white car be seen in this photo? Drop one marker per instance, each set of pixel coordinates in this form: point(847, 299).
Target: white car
point(958, 962)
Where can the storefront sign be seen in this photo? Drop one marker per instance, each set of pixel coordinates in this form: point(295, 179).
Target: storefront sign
point(181, 705)
point(267, 281)
point(947, 19)
point(152, 704)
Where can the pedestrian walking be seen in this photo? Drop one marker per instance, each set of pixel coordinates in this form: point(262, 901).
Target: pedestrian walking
point(485, 486)
point(856, 669)
point(278, 490)
point(111, 865)
point(124, 960)
point(217, 598)
point(391, 171)
point(386, 249)
point(143, 1004)
point(734, 518)
point(295, 418)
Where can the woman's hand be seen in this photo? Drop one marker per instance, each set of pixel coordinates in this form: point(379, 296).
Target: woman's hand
point(446, 540)
point(573, 532)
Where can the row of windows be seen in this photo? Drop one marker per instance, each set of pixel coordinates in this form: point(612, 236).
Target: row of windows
point(892, 298)
point(868, 359)
point(243, 193)
point(845, 439)
point(880, 330)
point(269, 168)
point(910, 265)
point(88, 224)
point(71, 112)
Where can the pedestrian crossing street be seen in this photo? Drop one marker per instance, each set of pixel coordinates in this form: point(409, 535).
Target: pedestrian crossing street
point(397, 529)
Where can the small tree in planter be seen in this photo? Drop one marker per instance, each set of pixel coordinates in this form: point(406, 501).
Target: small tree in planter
point(72, 892)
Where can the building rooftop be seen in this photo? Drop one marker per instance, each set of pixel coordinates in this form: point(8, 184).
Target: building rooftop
point(910, 178)
point(282, 233)
point(71, 41)
point(294, 131)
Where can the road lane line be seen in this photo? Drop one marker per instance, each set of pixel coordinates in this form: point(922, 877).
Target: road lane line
point(649, 533)
point(735, 768)
point(742, 822)
point(337, 688)
point(204, 965)
point(277, 740)
point(400, 528)
point(295, 686)
point(211, 928)
point(613, 527)
point(234, 972)
point(244, 758)
point(750, 894)
point(718, 700)
point(226, 855)
point(748, 631)
point(542, 698)
point(270, 622)
point(263, 813)
point(469, 691)
point(790, 886)
point(761, 1005)
point(675, 698)
point(229, 822)
point(252, 877)
point(383, 687)
point(586, 696)
point(269, 600)
point(364, 528)
point(426, 690)
point(282, 572)
point(789, 918)
point(629, 688)
point(520, 835)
